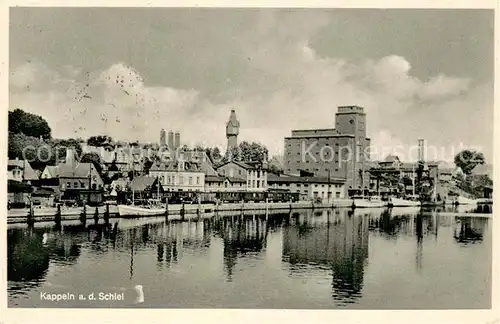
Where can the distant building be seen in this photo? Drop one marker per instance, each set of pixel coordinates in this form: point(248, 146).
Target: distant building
point(21, 170)
point(146, 187)
point(232, 131)
point(179, 176)
point(332, 152)
point(309, 187)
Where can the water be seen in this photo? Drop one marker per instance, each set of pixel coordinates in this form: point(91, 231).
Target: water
point(330, 259)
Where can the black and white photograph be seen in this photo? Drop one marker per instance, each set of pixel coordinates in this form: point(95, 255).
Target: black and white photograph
point(250, 158)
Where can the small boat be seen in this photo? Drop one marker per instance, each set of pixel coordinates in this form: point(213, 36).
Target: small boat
point(400, 202)
point(137, 211)
point(465, 201)
point(367, 202)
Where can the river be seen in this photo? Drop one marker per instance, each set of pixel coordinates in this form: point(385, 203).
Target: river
point(308, 259)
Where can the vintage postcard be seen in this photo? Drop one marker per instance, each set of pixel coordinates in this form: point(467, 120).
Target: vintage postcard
point(205, 158)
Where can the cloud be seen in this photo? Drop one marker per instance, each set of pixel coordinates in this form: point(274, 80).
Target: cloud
point(284, 85)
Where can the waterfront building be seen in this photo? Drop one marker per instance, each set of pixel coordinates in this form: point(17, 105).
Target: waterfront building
point(70, 178)
point(254, 173)
point(216, 183)
point(309, 187)
point(333, 152)
point(21, 170)
point(179, 176)
point(232, 131)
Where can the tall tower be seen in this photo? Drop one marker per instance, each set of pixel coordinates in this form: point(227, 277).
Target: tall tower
point(232, 131)
point(163, 139)
point(351, 120)
point(422, 150)
point(170, 140)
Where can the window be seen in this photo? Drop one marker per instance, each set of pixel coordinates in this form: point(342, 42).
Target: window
point(181, 180)
point(68, 184)
point(239, 172)
point(258, 184)
point(75, 184)
point(190, 180)
point(197, 180)
point(253, 183)
point(258, 174)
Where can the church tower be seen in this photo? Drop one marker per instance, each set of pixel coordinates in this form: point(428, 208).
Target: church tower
point(232, 131)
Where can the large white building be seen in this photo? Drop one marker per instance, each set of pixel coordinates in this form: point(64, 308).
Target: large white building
point(254, 173)
point(179, 176)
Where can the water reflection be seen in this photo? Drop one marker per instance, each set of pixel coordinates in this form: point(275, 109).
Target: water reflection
point(322, 252)
point(335, 241)
point(242, 236)
point(469, 230)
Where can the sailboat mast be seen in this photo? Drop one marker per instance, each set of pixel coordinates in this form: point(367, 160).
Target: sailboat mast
point(413, 179)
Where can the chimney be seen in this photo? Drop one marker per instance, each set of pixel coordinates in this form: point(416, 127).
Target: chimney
point(171, 140)
point(163, 141)
point(177, 140)
point(70, 156)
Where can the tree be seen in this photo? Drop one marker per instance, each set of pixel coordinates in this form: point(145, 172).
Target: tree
point(93, 158)
point(214, 154)
point(247, 152)
point(275, 165)
point(28, 124)
point(467, 160)
point(100, 141)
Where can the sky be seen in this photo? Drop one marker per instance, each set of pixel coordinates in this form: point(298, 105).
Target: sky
point(129, 72)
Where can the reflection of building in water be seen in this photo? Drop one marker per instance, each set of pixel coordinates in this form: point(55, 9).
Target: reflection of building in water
point(241, 235)
point(339, 241)
point(470, 229)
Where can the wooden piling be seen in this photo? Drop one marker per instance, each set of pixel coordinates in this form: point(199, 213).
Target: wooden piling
point(83, 215)
point(31, 213)
point(96, 215)
point(57, 218)
point(106, 214)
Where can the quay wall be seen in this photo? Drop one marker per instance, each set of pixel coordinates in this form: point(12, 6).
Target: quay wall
point(174, 211)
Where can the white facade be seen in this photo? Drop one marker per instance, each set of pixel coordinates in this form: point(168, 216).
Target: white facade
point(313, 190)
point(256, 180)
point(180, 180)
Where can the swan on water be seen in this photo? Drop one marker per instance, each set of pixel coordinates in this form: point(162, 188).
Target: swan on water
point(140, 294)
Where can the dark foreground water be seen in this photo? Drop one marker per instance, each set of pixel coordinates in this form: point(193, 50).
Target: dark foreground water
point(306, 259)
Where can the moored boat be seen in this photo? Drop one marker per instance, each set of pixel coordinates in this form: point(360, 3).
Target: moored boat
point(465, 201)
point(400, 202)
point(137, 211)
point(367, 202)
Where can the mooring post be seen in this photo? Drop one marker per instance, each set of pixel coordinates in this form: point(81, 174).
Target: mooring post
point(166, 208)
point(96, 215)
point(31, 213)
point(57, 218)
point(83, 215)
point(106, 214)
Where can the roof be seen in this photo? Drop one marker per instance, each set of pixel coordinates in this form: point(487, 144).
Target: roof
point(483, 169)
point(174, 166)
point(236, 180)
point(391, 158)
point(273, 178)
point(214, 178)
point(247, 165)
point(142, 183)
point(81, 170)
